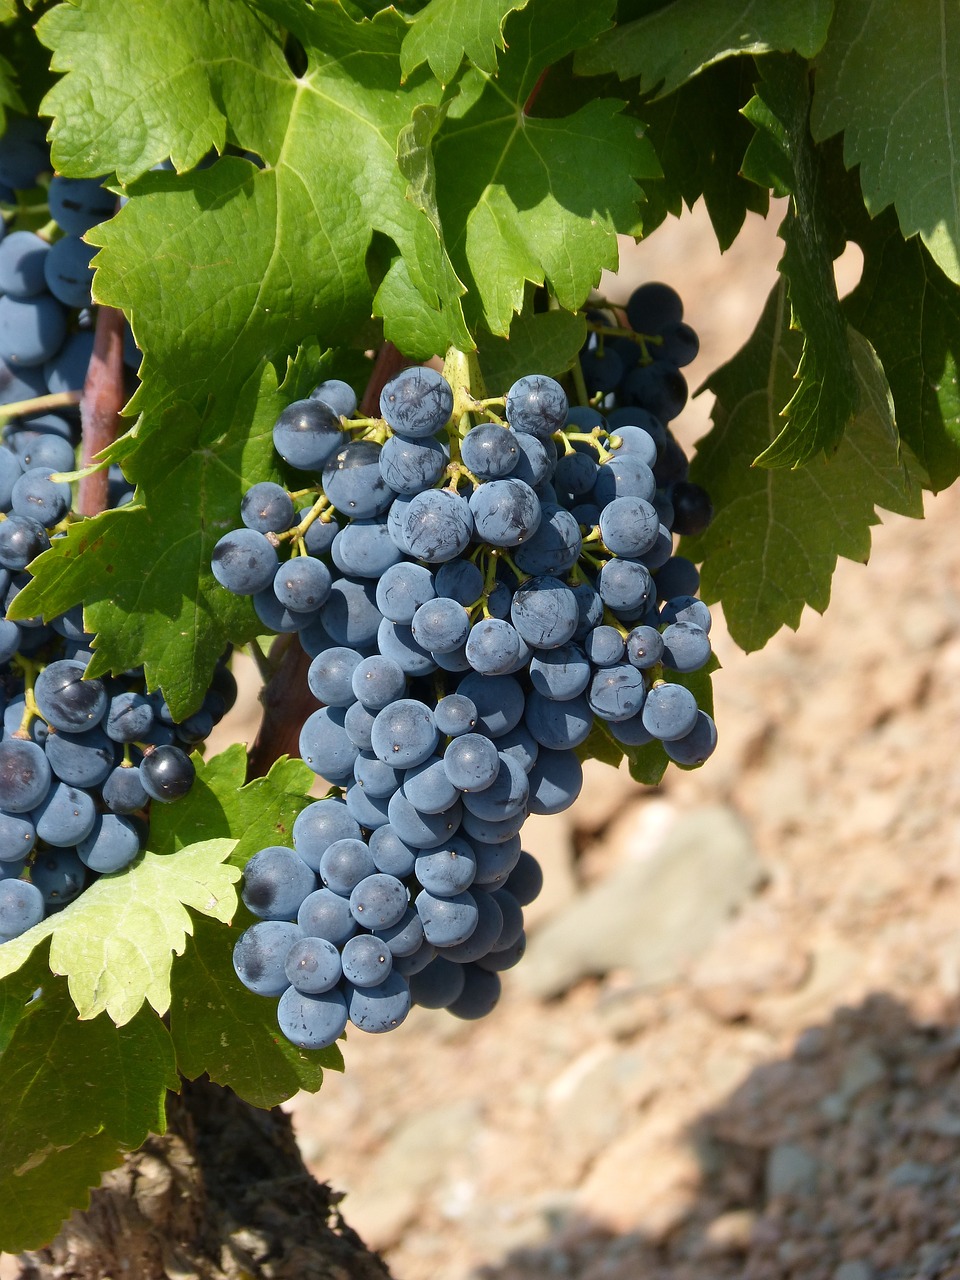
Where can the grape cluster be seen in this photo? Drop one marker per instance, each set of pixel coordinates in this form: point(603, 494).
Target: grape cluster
point(477, 591)
point(80, 759)
point(46, 330)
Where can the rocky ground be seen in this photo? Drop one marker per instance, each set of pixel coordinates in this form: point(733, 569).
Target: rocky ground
point(733, 1047)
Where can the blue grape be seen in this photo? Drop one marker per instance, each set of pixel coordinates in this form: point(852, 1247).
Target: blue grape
point(377, 681)
point(275, 883)
point(545, 612)
point(167, 773)
point(440, 625)
point(670, 711)
point(438, 984)
point(422, 830)
point(320, 533)
point(370, 811)
point(391, 854)
point(80, 759)
point(31, 329)
point(24, 775)
point(260, 953)
point(495, 861)
point(484, 831)
point(696, 746)
point(123, 791)
point(604, 646)
point(367, 960)
point(24, 154)
point(521, 745)
point(505, 513)
point(302, 585)
point(653, 307)
point(65, 816)
point(437, 526)
point(350, 614)
point(364, 549)
point(563, 672)
point(325, 914)
point(17, 837)
point(536, 405)
point(455, 714)
point(686, 609)
point(556, 545)
point(632, 438)
point(678, 576)
point(379, 901)
point(66, 369)
point(77, 204)
point(447, 921)
point(481, 940)
point(59, 875)
point(22, 258)
point(312, 1021)
point(66, 700)
point(499, 701)
point(505, 797)
point(537, 460)
point(644, 647)
point(267, 507)
point(410, 466)
point(112, 843)
point(617, 692)
point(493, 647)
point(559, 726)
point(21, 907)
point(22, 539)
point(459, 580)
point(629, 526)
point(67, 271)
point(428, 788)
point(344, 864)
point(481, 991)
point(340, 396)
point(416, 961)
point(447, 871)
point(312, 965)
point(330, 676)
point(490, 451)
point(358, 725)
point(418, 402)
point(405, 936)
point(380, 1008)
point(244, 562)
point(317, 826)
point(306, 433)
point(686, 647)
point(471, 762)
point(352, 480)
point(402, 589)
point(404, 733)
point(625, 586)
point(377, 779)
point(324, 744)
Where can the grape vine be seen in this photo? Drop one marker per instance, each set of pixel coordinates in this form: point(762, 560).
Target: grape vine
point(475, 573)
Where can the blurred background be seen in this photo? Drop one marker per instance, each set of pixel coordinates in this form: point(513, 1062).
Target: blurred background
point(732, 1046)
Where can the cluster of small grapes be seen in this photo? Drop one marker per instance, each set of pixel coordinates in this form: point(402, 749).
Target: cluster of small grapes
point(353, 947)
point(494, 592)
point(46, 330)
point(80, 759)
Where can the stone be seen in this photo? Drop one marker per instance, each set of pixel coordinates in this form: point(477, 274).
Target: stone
point(854, 1269)
point(790, 1171)
point(729, 1232)
point(653, 916)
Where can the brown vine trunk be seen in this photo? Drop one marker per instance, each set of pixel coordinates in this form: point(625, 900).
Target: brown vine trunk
point(223, 1195)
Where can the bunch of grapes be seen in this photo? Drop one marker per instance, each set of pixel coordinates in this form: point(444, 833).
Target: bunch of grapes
point(80, 759)
point(479, 584)
point(46, 330)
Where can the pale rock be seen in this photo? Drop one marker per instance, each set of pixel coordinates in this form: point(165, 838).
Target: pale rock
point(415, 1159)
point(550, 839)
point(729, 1232)
point(854, 1269)
point(754, 955)
point(654, 916)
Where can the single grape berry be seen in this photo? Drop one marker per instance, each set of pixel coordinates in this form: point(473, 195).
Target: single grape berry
point(167, 773)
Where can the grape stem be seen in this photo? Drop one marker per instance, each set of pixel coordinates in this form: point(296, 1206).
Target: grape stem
point(38, 404)
point(103, 398)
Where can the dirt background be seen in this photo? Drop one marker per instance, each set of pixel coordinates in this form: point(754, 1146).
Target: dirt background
point(732, 1048)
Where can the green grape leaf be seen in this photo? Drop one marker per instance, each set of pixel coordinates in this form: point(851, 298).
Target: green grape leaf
point(827, 392)
point(910, 312)
point(528, 198)
point(77, 1094)
point(545, 342)
point(116, 942)
point(219, 806)
point(143, 571)
point(700, 138)
point(891, 81)
point(678, 40)
point(776, 535)
point(175, 105)
point(445, 31)
point(221, 1028)
point(10, 99)
point(250, 260)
